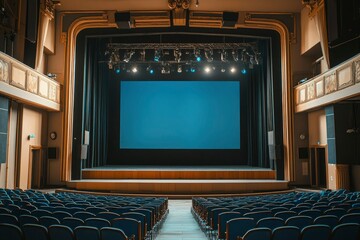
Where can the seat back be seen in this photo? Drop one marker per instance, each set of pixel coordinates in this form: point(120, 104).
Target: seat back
point(141, 218)
point(149, 217)
point(26, 219)
point(347, 231)
point(270, 222)
point(320, 232)
point(8, 218)
point(61, 215)
point(95, 210)
point(286, 233)
point(258, 215)
point(35, 232)
point(299, 221)
point(110, 233)
point(214, 213)
point(97, 222)
point(339, 212)
point(11, 231)
point(83, 215)
point(313, 213)
point(60, 232)
point(329, 220)
point(237, 227)
point(47, 221)
point(285, 214)
point(86, 233)
point(72, 222)
point(257, 234)
point(223, 218)
point(108, 215)
point(350, 218)
point(131, 227)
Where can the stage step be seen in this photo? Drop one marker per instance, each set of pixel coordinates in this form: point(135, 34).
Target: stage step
point(192, 173)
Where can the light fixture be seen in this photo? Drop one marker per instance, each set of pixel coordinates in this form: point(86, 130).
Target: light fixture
point(179, 69)
point(197, 3)
point(235, 55)
point(209, 54)
point(142, 55)
point(128, 54)
point(157, 55)
point(243, 71)
point(207, 69)
point(177, 55)
point(197, 54)
point(150, 70)
point(224, 55)
point(165, 69)
point(233, 70)
point(134, 70)
point(117, 69)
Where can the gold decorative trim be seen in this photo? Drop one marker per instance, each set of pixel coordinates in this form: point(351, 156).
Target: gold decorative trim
point(99, 22)
point(345, 76)
point(313, 5)
point(357, 71)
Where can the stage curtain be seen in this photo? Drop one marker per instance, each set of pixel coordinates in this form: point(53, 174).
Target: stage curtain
point(320, 21)
point(259, 111)
point(96, 92)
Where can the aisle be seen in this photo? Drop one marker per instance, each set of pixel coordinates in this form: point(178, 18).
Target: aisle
point(180, 223)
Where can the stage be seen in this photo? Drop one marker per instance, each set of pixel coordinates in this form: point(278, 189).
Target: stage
point(179, 180)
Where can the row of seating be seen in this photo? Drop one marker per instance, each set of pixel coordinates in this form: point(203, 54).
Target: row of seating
point(298, 209)
point(73, 210)
point(59, 232)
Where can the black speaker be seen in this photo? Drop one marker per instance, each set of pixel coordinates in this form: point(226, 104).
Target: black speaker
point(32, 13)
point(230, 19)
point(52, 153)
point(122, 19)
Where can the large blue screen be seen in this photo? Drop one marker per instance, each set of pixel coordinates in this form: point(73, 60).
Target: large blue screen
point(180, 115)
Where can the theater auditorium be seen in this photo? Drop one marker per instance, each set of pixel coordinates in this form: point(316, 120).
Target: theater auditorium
point(179, 119)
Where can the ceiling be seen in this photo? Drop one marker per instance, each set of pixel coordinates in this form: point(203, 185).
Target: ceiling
point(204, 5)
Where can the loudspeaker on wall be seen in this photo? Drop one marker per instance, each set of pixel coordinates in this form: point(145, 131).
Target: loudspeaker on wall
point(122, 20)
point(230, 19)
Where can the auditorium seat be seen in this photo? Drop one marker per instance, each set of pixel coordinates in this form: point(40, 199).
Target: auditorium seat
point(97, 222)
point(223, 218)
point(72, 222)
point(47, 221)
point(60, 232)
point(346, 231)
point(329, 220)
point(26, 219)
point(237, 227)
point(318, 232)
point(86, 233)
point(34, 232)
point(285, 214)
point(270, 222)
point(131, 227)
point(110, 233)
point(299, 221)
point(257, 234)
point(350, 218)
point(286, 233)
point(11, 231)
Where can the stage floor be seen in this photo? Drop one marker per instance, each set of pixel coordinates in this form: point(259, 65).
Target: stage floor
point(178, 180)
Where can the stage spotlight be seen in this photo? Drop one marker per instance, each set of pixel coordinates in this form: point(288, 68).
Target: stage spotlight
point(197, 54)
point(128, 54)
point(232, 69)
point(157, 55)
point(207, 69)
point(150, 70)
point(243, 71)
point(192, 69)
point(209, 55)
point(134, 70)
point(142, 55)
point(165, 69)
point(177, 55)
point(224, 56)
point(117, 69)
point(235, 55)
point(223, 69)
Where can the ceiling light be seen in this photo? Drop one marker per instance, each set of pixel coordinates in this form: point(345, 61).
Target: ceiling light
point(177, 55)
point(232, 69)
point(197, 54)
point(207, 69)
point(235, 55)
point(134, 70)
point(209, 55)
point(179, 69)
point(243, 71)
point(157, 55)
point(117, 69)
point(224, 55)
point(128, 54)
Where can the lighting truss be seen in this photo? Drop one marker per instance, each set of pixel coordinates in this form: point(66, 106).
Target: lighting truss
point(164, 55)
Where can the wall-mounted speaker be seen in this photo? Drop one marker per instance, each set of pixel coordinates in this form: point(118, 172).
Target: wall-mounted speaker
point(230, 19)
point(122, 20)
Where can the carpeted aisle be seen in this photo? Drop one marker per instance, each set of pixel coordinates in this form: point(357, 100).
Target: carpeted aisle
point(180, 223)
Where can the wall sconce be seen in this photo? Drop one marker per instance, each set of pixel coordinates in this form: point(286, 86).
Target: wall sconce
point(302, 136)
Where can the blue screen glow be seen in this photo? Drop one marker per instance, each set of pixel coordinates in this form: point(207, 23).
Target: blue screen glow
point(180, 115)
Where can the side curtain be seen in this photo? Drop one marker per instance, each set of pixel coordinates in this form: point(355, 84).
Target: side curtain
point(96, 98)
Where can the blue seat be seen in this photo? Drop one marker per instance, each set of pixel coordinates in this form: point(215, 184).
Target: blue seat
point(237, 227)
point(299, 209)
point(339, 212)
point(329, 220)
point(278, 209)
point(110, 233)
point(35, 232)
point(61, 215)
point(270, 222)
point(131, 227)
point(40, 212)
point(214, 213)
point(299, 221)
point(257, 234)
point(8, 218)
point(258, 215)
point(95, 210)
point(350, 218)
point(149, 217)
point(83, 215)
point(140, 217)
point(286, 233)
point(346, 231)
point(285, 214)
point(241, 210)
point(319, 232)
point(223, 218)
point(47, 221)
point(313, 213)
point(26, 219)
point(11, 231)
point(354, 210)
point(72, 222)
point(97, 222)
point(108, 215)
point(60, 232)
point(86, 233)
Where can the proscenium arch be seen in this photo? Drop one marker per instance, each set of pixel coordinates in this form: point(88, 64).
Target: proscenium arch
point(101, 21)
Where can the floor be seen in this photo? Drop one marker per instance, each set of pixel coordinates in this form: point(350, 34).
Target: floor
point(180, 224)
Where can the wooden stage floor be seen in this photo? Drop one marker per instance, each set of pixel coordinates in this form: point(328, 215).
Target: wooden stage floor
point(179, 180)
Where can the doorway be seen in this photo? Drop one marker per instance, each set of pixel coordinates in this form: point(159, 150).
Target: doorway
point(318, 166)
point(36, 168)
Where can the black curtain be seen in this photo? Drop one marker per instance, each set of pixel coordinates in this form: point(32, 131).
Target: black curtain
point(96, 98)
point(260, 109)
